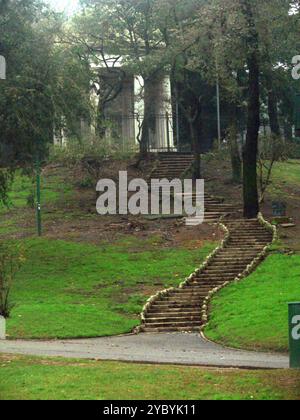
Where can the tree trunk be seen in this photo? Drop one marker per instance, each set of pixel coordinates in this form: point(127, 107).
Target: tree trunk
point(251, 201)
point(272, 107)
point(288, 131)
point(196, 150)
point(236, 162)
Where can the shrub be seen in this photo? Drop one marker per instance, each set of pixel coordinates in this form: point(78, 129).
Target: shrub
point(6, 178)
point(11, 259)
point(86, 158)
point(293, 149)
point(76, 151)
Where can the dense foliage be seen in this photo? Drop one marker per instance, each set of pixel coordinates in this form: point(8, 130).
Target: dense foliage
point(55, 63)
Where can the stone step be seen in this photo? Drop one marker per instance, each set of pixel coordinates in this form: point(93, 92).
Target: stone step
point(247, 244)
point(172, 313)
point(250, 239)
point(184, 297)
point(214, 277)
point(169, 175)
point(209, 216)
point(182, 164)
point(244, 225)
point(183, 156)
point(219, 271)
point(220, 275)
point(251, 234)
point(227, 260)
point(173, 319)
point(215, 213)
point(255, 248)
point(221, 207)
point(176, 324)
point(187, 290)
point(241, 248)
point(221, 268)
point(244, 247)
point(169, 329)
point(169, 168)
point(254, 231)
point(238, 253)
point(171, 309)
point(228, 264)
point(231, 269)
point(183, 161)
point(234, 257)
point(213, 284)
point(248, 229)
point(234, 240)
point(260, 238)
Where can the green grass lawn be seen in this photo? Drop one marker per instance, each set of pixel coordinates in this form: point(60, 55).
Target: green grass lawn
point(285, 175)
point(28, 378)
point(53, 187)
point(288, 171)
point(70, 289)
point(253, 314)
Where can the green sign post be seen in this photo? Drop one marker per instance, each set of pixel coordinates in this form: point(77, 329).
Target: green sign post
point(294, 334)
point(297, 115)
point(38, 197)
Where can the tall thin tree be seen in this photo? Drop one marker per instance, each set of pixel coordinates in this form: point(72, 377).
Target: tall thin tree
point(251, 200)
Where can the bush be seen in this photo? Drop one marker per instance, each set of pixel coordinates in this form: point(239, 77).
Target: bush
point(6, 178)
point(11, 259)
point(76, 151)
point(86, 158)
point(293, 149)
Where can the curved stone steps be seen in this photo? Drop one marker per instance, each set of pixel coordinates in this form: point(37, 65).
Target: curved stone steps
point(179, 310)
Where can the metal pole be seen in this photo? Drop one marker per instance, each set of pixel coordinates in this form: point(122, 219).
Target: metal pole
point(38, 197)
point(219, 111)
point(177, 126)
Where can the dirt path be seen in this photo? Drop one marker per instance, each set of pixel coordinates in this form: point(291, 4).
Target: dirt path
point(177, 348)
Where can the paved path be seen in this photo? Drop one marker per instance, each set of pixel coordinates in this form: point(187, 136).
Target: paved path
point(185, 349)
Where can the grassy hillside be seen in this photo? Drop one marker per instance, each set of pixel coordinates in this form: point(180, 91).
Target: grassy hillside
point(79, 290)
point(253, 314)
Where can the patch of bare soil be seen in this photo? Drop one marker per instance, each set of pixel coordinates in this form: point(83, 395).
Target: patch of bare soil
point(73, 216)
point(99, 229)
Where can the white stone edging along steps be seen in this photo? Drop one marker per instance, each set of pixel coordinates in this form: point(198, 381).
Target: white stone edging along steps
point(250, 269)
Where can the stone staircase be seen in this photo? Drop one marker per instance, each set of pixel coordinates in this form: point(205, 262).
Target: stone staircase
point(172, 165)
point(216, 209)
point(180, 309)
